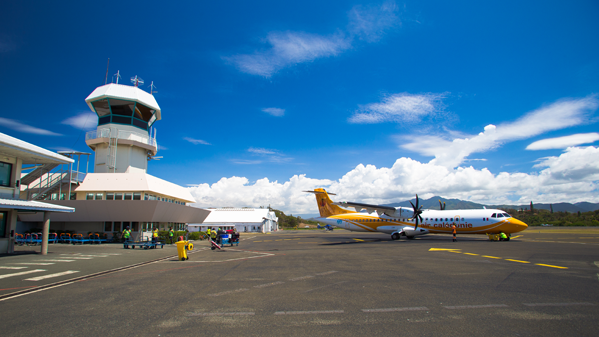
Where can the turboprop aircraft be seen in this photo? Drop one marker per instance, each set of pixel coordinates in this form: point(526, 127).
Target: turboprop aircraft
point(399, 221)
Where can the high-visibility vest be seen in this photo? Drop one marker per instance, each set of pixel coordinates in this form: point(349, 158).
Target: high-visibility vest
point(171, 233)
point(454, 229)
point(503, 236)
point(126, 233)
point(208, 231)
point(155, 232)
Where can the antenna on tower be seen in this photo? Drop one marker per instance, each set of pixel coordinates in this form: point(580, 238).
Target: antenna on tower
point(118, 75)
point(106, 77)
point(137, 81)
point(152, 87)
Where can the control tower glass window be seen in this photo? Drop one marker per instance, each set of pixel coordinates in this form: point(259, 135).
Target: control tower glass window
point(101, 107)
point(124, 112)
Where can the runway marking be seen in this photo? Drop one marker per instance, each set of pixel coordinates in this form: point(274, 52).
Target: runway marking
point(77, 258)
point(268, 284)
point(517, 261)
point(358, 240)
point(228, 292)
point(471, 254)
point(301, 278)
point(301, 243)
point(208, 314)
point(551, 266)
point(325, 286)
point(442, 249)
point(395, 309)
point(327, 273)
point(55, 260)
point(309, 312)
point(39, 278)
point(257, 241)
point(516, 236)
point(555, 304)
point(22, 273)
point(89, 255)
point(491, 257)
point(35, 264)
point(476, 306)
point(4, 267)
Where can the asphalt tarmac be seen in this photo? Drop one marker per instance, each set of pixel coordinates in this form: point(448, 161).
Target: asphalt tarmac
point(544, 282)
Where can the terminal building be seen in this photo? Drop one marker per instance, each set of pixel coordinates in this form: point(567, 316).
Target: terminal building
point(259, 220)
point(119, 192)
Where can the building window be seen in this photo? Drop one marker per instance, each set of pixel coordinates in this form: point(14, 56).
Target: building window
point(118, 196)
point(128, 196)
point(99, 196)
point(109, 196)
point(117, 227)
point(5, 173)
point(90, 196)
point(3, 220)
point(137, 196)
point(108, 226)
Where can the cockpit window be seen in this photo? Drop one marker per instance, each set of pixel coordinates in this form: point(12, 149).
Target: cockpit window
point(499, 215)
point(494, 215)
point(507, 215)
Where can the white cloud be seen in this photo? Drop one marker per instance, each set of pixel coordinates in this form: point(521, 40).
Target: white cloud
point(261, 151)
point(564, 142)
point(571, 177)
point(370, 23)
point(291, 48)
point(398, 108)
point(271, 156)
point(18, 126)
point(83, 121)
point(277, 112)
point(451, 153)
point(196, 141)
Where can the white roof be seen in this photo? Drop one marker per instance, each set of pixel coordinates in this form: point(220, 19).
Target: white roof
point(33, 206)
point(239, 215)
point(29, 153)
point(133, 182)
point(125, 92)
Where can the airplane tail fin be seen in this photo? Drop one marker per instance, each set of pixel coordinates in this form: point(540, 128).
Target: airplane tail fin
point(325, 204)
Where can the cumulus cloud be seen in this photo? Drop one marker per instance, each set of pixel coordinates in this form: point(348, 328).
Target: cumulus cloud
point(83, 121)
point(21, 127)
point(277, 112)
point(398, 108)
point(451, 153)
point(291, 48)
point(564, 142)
point(570, 177)
point(196, 141)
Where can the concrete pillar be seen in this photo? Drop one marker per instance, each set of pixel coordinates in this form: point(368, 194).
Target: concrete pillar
point(45, 233)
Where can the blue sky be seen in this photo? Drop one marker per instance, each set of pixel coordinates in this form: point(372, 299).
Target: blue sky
point(491, 101)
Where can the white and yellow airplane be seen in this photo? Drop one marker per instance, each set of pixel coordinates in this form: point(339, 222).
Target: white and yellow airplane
point(399, 221)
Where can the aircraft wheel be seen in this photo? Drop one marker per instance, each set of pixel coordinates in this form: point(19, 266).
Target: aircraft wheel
point(395, 236)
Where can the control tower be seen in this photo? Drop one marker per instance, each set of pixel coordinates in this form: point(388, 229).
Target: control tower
point(123, 141)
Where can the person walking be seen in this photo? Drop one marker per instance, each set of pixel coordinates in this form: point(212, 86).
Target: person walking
point(171, 234)
point(213, 235)
point(454, 231)
point(208, 232)
point(503, 237)
point(126, 235)
point(155, 236)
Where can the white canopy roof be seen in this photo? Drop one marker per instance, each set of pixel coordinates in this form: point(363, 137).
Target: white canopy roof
point(29, 153)
point(33, 206)
point(239, 215)
point(124, 92)
point(133, 182)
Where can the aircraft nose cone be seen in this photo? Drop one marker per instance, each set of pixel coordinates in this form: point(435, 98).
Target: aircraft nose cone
point(519, 224)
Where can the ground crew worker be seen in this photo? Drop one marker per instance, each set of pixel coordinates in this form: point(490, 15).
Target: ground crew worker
point(208, 232)
point(503, 237)
point(126, 235)
point(454, 231)
point(213, 235)
point(171, 234)
point(155, 235)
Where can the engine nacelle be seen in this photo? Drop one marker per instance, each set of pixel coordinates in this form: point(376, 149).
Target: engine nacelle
point(414, 232)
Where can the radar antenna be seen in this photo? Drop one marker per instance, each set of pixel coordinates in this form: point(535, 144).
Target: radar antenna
point(118, 75)
point(137, 81)
point(152, 88)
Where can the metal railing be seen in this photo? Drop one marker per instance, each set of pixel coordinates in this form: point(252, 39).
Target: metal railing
point(120, 134)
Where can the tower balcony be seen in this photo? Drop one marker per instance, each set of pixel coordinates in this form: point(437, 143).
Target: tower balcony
point(121, 137)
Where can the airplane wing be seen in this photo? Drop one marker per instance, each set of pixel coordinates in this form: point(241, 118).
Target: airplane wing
point(388, 210)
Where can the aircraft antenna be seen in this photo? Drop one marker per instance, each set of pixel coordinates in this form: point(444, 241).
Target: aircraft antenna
point(137, 80)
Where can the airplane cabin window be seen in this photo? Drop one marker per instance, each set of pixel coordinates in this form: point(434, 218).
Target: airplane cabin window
point(451, 219)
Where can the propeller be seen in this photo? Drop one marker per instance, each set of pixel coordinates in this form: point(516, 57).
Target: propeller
point(442, 205)
point(417, 212)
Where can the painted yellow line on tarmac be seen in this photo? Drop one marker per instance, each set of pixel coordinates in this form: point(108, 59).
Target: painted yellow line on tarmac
point(471, 254)
point(548, 265)
point(517, 261)
point(358, 240)
point(442, 249)
point(454, 251)
point(256, 241)
point(491, 257)
point(516, 236)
